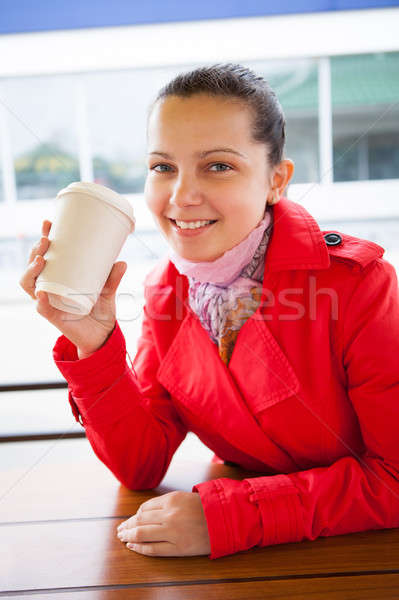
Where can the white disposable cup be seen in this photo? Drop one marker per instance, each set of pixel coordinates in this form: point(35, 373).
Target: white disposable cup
point(90, 227)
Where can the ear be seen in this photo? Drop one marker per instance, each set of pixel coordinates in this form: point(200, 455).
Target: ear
point(282, 173)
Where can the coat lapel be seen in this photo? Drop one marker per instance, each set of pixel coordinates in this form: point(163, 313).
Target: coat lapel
point(260, 369)
point(194, 374)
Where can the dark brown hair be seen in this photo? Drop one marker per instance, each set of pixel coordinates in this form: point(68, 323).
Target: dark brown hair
point(235, 81)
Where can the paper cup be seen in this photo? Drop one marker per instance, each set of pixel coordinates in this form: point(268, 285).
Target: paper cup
point(90, 227)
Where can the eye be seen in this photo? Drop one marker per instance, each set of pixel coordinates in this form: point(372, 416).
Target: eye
point(224, 167)
point(166, 170)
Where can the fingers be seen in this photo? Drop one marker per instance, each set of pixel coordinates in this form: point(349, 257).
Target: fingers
point(142, 518)
point(114, 278)
point(36, 261)
point(151, 511)
point(43, 304)
point(144, 533)
point(154, 549)
point(39, 248)
point(149, 539)
point(28, 279)
point(155, 502)
point(46, 226)
point(43, 244)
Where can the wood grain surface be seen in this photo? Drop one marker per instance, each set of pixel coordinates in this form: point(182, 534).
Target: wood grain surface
point(58, 519)
point(364, 587)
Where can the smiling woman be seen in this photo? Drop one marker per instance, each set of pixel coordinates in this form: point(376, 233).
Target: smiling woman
point(212, 170)
point(273, 341)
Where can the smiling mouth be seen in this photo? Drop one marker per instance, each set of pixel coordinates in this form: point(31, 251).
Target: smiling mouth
point(193, 220)
point(205, 222)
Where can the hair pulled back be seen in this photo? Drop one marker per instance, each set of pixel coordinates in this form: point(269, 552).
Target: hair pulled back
point(237, 82)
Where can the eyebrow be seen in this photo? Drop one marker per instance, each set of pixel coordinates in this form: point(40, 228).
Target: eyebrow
point(202, 154)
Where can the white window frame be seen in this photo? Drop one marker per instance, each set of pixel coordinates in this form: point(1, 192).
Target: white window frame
point(311, 35)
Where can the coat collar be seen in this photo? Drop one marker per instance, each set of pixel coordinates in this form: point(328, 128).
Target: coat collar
point(296, 241)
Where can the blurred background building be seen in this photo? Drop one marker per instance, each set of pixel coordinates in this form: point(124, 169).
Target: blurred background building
point(76, 79)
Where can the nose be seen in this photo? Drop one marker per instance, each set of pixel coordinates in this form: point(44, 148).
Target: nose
point(185, 192)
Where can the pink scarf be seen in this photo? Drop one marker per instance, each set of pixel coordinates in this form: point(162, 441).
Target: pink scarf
point(222, 292)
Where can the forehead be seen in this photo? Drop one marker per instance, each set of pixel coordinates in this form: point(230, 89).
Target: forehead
point(200, 116)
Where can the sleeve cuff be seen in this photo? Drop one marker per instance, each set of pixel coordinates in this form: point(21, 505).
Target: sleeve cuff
point(232, 520)
point(260, 511)
point(280, 509)
point(97, 372)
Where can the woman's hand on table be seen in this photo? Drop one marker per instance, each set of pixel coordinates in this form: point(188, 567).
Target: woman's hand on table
point(170, 525)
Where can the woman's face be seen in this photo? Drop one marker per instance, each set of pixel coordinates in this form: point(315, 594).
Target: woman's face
point(203, 165)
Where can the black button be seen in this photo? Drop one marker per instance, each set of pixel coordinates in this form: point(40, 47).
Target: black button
point(332, 239)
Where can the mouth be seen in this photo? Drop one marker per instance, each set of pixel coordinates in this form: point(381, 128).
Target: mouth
point(192, 224)
point(192, 228)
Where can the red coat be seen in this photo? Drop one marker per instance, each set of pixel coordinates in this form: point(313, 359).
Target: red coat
point(310, 398)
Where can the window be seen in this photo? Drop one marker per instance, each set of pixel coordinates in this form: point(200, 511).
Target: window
point(1, 185)
point(116, 107)
point(365, 93)
point(296, 86)
point(42, 127)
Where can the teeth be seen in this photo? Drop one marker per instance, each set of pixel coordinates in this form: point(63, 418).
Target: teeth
point(191, 224)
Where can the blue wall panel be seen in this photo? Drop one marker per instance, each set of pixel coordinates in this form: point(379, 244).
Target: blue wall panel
point(43, 15)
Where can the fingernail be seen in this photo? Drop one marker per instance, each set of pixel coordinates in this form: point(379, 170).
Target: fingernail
point(131, 546)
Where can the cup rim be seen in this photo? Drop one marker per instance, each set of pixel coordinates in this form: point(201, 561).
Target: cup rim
point(103, 193)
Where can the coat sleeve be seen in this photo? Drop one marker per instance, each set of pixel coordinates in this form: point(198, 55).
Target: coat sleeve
point(356, 493)
point(128, 416)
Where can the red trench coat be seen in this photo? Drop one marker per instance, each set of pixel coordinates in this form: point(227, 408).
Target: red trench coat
point(310, 398)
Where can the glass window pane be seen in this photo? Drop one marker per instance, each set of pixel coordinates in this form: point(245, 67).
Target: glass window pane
point(1, 184)
point(43, 132)
point(296, 86)
point(117, 106)
point(365, 94)
point(37, 411)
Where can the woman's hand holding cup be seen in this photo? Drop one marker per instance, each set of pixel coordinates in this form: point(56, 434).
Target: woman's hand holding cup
point(88, 332)
point(74, 276)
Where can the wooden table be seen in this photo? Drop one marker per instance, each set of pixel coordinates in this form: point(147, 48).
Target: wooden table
point(59, 509)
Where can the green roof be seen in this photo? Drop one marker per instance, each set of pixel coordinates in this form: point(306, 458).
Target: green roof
point(359, 80)
point(366, 79)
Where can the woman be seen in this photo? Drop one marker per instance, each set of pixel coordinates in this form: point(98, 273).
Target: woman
point(274, 342)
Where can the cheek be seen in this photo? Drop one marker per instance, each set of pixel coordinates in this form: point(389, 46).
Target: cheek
point(153, 199)
point(238, 211)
